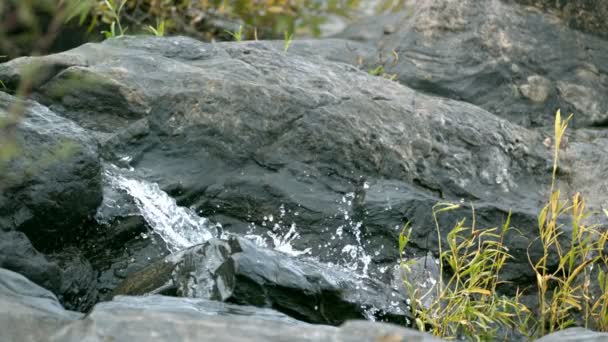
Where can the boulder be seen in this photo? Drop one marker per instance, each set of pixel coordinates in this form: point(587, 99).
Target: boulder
point(261, 140)
point(160, 319)
point(575, 335)
point(238, 271)
point(79, 289)
point(18, 255)
point(201, 307)
point(29, 312)
point(585, 15)
point(512, 60)
point(66, 273)
point(51, 186)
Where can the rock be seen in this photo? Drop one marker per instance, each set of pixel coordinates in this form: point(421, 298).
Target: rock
point(157, 318)
point(29, 312)
point(584, 160)
point(238, 271)
point(114, 263)
point(67, 274)
point(78, 289)
point(160, 318)
point(52, 186)
point(575, 335)
point(335, 50)
point(517, 62)
point(585, 15)
point(262, 142)
point(199, 306)
point(18, 255)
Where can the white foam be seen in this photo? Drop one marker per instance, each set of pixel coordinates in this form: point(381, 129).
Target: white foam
point(179, 227)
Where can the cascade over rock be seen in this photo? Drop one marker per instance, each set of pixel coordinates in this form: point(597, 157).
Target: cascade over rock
point(245, 133)
point(175, 189)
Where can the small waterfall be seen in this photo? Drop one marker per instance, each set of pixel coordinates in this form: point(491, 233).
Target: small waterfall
point(179, 227)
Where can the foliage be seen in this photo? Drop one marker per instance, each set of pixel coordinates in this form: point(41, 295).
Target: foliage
point(159, 30)
point(237, 35)
point(25, 25)
point(33, 27)
point(115, 10)
point(209, 19)
point(379, 71)
point(467, 304)
point(287, 41)
point(575, 292)
point(566, 290)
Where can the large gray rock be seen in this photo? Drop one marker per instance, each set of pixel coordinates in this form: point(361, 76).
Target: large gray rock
point(18, 255)
point(161, 319)
point(52, 185)
point(238, 271)
point(241, 132)
point(199, 306)
point(66, 273)
point(585, 15)
point(575, 335)
point(27, 311)
point(513, 60)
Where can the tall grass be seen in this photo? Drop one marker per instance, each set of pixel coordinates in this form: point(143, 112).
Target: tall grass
point(564, 292)
point(465, 300)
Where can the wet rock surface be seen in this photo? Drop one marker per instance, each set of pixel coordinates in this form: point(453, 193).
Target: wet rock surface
point(159, 318)
point(244, 133)
point(238, 271)
point(265, 190)
point(181, 319)
point(53, 185)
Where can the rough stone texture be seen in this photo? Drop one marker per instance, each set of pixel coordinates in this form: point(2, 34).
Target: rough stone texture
point(30, 313)
point(584, 164)
point(18, 255)
point(67, 273)
point(244, 131)
point(585, 15)
point(186, 320)
point(513, 60)
point(199, 306)
point(53, 185)
point(238, 271)
point(78, 289)
point(575, 335)
point(27, 311)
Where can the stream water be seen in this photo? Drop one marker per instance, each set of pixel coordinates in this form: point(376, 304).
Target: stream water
point(180, 227)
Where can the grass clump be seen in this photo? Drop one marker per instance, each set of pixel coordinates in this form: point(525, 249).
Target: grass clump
point(114, 10)
point(566, 291)
point(466, 303)
point(571, 292)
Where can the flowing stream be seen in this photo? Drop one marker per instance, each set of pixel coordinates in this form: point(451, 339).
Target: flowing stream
point(180, 227)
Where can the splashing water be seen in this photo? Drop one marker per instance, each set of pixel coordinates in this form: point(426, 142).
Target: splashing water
point(179, 227)
point(351, 256)
point(283, 243)
point(355, 256)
